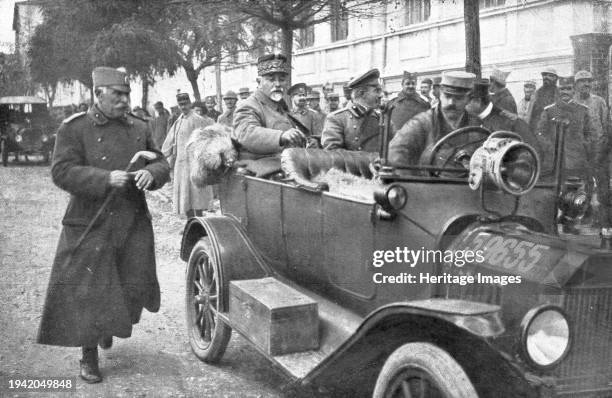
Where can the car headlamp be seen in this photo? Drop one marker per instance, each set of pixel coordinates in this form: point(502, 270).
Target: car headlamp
point(545, 336)
point(506, 163)
point(18, 138)
point(391, 198)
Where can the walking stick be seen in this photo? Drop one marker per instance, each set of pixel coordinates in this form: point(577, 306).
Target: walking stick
point(140, 154)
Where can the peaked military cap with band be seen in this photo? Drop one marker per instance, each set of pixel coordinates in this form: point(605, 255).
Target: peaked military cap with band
point(457, 82)
point(333, 96)
point(298, 88)
point(272, 63)
point(210, 98)
point(244, 90)
point(182, 97)
point(104, 76)
point(481, 89)
point(409, 76)
point(550, 71)
point(566, 81)
point(583, 75)
point(230, 95)
point(314, 95)
point(529, 83)
point(370, 78)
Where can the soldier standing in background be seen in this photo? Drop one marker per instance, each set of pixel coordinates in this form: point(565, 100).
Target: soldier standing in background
point(407, 103)
point(526, 103)
point(544, 96)
point(598, 110)
point(500, 95)
point(333, 103)
point(210, 102)
point(425, 90)
point(227, 118)
point(160, 124)
point(314, 103)
point(300, 110)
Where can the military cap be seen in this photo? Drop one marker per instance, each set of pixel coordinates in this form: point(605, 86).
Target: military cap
point(529, 83)
point(314, 95)
point(481, 89)
point(367, 79)
point(182, 97)
point(499, 76)
point(210, 98)
point(104, 76)
point(244, 90)
point(427, 80)
point(551, 71)
point(272, 63)
point(333, 95)
point(158, 103)
point(436, 81)
point(297, 88)
point(457, 82)
point(409, 76)
point(583, 75)
point(229, 95)
point(566, 81)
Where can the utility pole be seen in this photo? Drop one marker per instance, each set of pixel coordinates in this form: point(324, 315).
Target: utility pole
point(471, 17)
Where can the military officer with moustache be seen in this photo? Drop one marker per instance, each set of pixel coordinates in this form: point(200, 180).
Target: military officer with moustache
point(355, 127)
point(407, 103)
point(425, 129)
point(300, 110)
point(101, 281)
point(262, 126)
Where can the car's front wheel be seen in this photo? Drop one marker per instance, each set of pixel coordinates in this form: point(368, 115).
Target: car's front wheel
point(208, 335)
point(422, 370)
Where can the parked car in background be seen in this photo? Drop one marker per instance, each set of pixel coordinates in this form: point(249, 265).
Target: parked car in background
point(25, 128)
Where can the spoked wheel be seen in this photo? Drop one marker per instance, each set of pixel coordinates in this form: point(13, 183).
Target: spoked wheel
point(422, 370)
point(208, 335)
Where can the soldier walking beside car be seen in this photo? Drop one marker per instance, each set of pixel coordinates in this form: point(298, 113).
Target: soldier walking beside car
point(423, 130)
point(187, 199)
point(355, 127)
point(103, 278)
point(262, 126)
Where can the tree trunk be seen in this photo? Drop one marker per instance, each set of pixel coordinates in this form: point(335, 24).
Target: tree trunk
point(192, 76)
point(287, 48)
point(218, 84)
point(471, 15)
point(145, 93)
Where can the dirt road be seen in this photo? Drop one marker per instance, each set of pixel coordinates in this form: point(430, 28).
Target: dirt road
point(156, 361)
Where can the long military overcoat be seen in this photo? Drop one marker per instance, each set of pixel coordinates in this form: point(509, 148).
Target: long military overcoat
point(405, 107)
point(504, 100)
point(351, 128)
point(100, 288)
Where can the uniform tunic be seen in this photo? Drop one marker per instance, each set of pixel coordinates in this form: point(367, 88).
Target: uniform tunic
point(420, 133)
point(353, 128)
point(598, 111)
point(83, 306)
point(580, 140)
point(185, 196)
point(258, 125)
point(543, 97)
point(405, 107)
point(319, 122)
point(504, 100)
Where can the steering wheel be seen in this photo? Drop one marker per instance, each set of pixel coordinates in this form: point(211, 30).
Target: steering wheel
point(455, 149)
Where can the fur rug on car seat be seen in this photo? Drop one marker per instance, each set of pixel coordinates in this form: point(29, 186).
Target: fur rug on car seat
point(211, 154)
point(347, 184)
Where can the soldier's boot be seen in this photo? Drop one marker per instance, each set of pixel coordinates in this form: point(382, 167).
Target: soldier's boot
point(89, 365)
point(106, 342)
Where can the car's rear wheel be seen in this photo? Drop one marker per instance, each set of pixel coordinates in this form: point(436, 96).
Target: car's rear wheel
point(208, 335)
point(422, 370)
point(5, 154)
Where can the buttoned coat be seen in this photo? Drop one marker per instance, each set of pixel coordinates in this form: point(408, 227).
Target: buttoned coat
point(405, 107)
point(352, 128)
point(185, 195)
point(258, 125)
point(580, 140)
point(100, 288)
point(544, 96)
point(420, 133)
point(305, 116)
point(503, 99)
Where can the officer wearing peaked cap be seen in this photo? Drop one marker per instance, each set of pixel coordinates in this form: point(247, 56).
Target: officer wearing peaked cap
point(101, 281)
point(300, 110)
point(500, 95)
point(408, 102)
point(355, 127)
point(227, 118)
point(544, 96)
point(262, 125)
point(426, 128)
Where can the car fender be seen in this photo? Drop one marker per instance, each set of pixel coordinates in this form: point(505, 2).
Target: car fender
point(231, 248)
point(462, 328)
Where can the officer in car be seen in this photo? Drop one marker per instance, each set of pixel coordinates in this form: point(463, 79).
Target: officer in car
point(426, 128)
point(355, 127)
point(262, 126)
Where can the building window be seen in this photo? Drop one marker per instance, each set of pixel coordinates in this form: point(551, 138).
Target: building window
point(491, 3)
point(417, 11)
point(306, 37)
point(339, 21)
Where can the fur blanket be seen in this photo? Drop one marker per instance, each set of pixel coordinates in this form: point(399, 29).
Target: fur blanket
point(211, 154)
point(347, 184)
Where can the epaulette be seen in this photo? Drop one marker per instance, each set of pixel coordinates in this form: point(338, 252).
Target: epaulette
point(549, 106)
point(137, 117)
point(73, 117)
